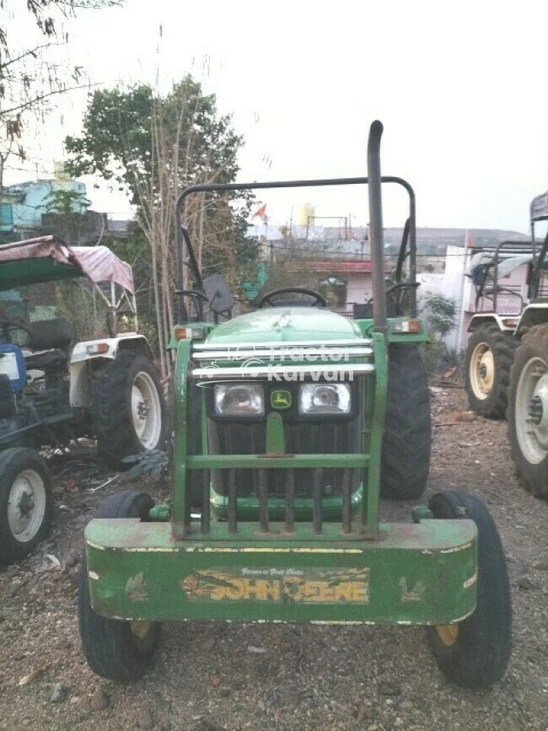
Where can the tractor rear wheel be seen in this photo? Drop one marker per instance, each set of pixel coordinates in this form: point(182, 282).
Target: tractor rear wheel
point(408, 425)
point(114, 648)
point(474, 653)
point(528, 411)
point(128, 409)
point(489, 357)
point(26, 503)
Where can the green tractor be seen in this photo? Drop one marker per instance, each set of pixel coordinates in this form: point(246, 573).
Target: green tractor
point(290, 421)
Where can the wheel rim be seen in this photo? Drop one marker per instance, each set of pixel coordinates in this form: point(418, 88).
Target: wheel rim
point(26, 505)
point(482, 371)
point(531, 410)
point(140, 629)
point(448, 633)
point(146, 412)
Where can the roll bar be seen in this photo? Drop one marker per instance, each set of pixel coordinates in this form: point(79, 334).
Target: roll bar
point(374, 180)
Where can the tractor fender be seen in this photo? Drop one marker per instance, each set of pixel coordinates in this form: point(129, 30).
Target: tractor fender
point(88, 355)
point(534, 314)
point(505, 323)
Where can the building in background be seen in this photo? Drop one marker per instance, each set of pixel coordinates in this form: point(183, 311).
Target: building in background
point(26, 212)
point(23, 205)
point(340, 257)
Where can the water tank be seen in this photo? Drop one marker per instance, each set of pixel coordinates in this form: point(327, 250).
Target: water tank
point(306, 215)
point(59, 172)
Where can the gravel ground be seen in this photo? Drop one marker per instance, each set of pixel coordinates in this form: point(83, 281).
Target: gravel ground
point(217, 677)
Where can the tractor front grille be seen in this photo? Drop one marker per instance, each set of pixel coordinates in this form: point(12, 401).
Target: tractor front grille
point(304, 438)
point(286, 492)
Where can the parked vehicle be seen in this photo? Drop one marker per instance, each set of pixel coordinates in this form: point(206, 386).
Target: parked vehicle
point(280, 421)
point(507, 358)
point(53, 391)
point(495, 335)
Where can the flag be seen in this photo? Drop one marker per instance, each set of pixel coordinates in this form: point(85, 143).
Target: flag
point(260, 212)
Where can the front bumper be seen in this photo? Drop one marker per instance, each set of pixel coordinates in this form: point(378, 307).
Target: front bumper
point(423, 573)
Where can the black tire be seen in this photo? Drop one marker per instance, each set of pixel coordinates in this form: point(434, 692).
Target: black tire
point(478, 656)
point(111, 648)
point(526, 451)
point(408, 425)
point(111, 408)
point(489, 401)
point(35, 500)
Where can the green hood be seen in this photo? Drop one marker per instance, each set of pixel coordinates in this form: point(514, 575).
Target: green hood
point(285, 324)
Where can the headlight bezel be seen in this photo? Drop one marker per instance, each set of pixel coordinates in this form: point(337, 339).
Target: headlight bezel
point(236, 416)
point(325, 413)
point(289, 415)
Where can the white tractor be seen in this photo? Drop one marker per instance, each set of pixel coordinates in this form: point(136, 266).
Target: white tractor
point(53, 391)
point(507, 354)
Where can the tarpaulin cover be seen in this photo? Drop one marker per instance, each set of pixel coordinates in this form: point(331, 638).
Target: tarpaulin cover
point(539, 208)
point(477, 269)
point(97, 263)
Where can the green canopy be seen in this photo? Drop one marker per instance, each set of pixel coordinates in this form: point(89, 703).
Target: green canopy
point(16, 274)
point(48, 259)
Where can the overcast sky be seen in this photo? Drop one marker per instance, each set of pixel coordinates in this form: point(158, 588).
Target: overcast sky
point(460, 89)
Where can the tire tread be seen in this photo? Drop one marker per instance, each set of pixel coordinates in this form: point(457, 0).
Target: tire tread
point(408, 425)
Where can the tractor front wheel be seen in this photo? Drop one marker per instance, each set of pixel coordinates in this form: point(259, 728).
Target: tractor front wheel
point(489, 357)
point(408, 426)
point(528, 411)
point(116, 649)
point(127, 408)
point(474, 653)
point(26, 503)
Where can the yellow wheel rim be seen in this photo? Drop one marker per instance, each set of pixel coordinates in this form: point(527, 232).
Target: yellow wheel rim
point(482, 371)
point(448, 633)
point(140, 629)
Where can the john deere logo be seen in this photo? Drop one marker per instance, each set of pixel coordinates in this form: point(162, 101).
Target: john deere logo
point(280, 399)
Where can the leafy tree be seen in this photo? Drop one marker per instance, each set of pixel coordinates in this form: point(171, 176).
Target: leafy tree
point(151, 147)
point(117, 141)
point(70, 206)
point(441, 314)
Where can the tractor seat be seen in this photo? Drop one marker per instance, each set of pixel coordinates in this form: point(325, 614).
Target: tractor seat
point(52, 338)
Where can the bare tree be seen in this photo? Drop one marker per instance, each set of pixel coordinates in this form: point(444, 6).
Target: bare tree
point(34, 69)
point(173, 163)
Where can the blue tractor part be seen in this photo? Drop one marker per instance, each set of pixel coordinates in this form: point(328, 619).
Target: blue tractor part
point(12, 364)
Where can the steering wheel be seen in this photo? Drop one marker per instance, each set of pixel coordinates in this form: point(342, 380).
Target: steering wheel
point(196, 297)
point(398, 287)
point(7, 327)
point(192, 293)
point(266, 299)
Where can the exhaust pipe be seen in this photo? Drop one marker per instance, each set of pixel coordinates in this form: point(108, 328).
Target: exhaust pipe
point(376, 227)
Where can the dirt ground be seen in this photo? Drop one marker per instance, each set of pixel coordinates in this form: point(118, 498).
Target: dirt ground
point(231, 677)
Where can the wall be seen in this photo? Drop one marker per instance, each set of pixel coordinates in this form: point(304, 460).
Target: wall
point(453, 283)
point(27, 214)
point(359, 288)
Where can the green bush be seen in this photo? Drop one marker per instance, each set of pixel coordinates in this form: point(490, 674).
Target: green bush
point(440, 314)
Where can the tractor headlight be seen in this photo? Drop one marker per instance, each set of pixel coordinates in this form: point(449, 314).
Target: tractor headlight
point(324, 398)
point(239, 399)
